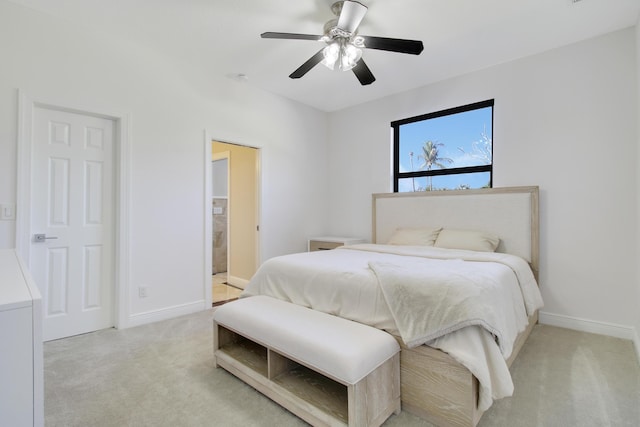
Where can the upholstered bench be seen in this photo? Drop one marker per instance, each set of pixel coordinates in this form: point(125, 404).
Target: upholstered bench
point(325, 369)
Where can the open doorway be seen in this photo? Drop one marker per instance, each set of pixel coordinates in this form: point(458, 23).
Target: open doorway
point(221, 290)
point(234, 218)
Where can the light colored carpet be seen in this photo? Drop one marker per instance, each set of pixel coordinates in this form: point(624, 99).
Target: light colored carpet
point(162, 374)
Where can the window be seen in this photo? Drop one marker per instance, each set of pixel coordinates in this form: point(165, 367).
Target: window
point(446, 150)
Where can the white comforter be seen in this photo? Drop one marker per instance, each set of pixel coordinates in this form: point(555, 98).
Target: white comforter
point(423, 294)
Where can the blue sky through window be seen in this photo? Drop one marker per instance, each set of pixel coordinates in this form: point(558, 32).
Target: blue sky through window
point(466, 139)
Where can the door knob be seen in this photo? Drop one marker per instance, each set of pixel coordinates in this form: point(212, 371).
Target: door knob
point(41, 237)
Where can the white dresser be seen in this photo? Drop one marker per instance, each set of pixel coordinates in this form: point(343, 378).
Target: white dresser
point(21, 368)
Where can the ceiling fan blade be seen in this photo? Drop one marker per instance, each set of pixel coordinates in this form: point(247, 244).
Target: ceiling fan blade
point(413, 47)
point(363, 73)
point(351, 15)
point(307, 66)
point(290, 36)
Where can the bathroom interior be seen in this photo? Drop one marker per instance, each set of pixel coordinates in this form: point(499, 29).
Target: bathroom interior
point(221, 291)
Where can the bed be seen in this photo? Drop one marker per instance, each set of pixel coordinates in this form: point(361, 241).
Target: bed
point(452, 372)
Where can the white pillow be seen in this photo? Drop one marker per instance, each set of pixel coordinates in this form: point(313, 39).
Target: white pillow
point(414, 236)
point(467, 239)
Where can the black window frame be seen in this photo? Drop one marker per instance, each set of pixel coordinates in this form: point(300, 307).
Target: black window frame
point(395, 126)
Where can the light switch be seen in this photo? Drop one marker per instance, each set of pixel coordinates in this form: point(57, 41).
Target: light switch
point(7, 211)
point(217, 211)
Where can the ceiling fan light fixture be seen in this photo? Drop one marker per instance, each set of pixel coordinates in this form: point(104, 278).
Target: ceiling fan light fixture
point(341, 54)
point(349, 56)
point(331, 54)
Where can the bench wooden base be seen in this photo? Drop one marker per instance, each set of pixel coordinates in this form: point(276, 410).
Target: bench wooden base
point(314, 397)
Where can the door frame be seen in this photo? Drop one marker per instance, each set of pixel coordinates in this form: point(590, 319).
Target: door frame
point(121, 174)
point(208, 194)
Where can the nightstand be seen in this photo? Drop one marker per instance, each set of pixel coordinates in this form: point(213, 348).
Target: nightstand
point(331, 242)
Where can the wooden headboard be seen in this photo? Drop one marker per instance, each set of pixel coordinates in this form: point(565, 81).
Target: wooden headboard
point(509, 212)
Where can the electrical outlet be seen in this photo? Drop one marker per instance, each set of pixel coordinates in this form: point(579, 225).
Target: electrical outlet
point(143, 291)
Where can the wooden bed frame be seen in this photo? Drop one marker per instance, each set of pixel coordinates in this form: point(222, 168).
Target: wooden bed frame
point(434, 386)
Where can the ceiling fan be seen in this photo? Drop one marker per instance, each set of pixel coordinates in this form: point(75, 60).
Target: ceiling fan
point(344, 45)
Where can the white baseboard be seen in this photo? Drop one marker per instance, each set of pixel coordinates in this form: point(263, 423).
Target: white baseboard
point(585, 325)
point(164, 313)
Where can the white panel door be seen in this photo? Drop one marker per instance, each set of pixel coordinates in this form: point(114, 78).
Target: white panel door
point(72, 221)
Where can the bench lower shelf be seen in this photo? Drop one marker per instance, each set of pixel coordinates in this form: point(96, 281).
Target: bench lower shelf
point(312, 396)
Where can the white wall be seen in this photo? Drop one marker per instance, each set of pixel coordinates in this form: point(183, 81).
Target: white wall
point(169, 105)
point(637, 331)
point(564, 120)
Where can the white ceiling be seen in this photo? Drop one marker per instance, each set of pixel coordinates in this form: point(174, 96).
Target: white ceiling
point(459, 36)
